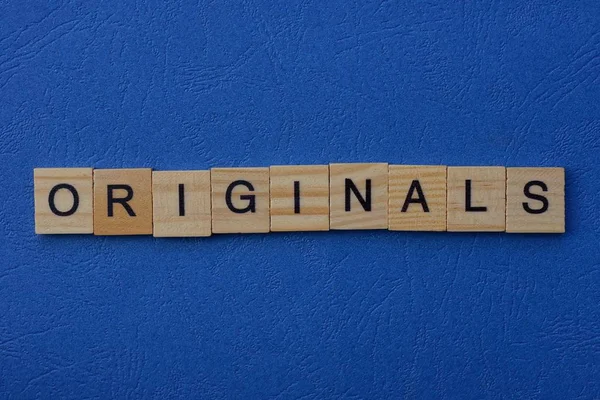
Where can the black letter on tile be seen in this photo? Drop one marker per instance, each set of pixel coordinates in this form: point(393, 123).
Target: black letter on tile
point(533, 196)
point(296, 197)
point(122, 201)
point(52, 194)
point(365, 203)
point(250, 197)
point(468, 206)
point(181, 200)
point(415, 185)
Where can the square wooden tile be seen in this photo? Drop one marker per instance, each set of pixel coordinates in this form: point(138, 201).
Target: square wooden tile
point(417, 198)
point(123, 201)
point(300, 198)
point(240, 200)
point(535, 200)
point(63, 200)
point(476, 199)
point(181, 203)
point(347, 209)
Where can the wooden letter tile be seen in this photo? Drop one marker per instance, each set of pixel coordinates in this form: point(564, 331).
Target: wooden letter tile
point(300, 198)
point(535, 200)
point(476, 199)
point(123, 201)
point(63, 200)
point(352, 204)
point(417, 198)
point(181, 203)
point(240, 200)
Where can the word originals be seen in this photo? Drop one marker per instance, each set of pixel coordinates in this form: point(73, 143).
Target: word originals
point(298, 198)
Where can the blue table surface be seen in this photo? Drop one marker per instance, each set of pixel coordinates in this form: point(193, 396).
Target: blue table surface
point(359, 314)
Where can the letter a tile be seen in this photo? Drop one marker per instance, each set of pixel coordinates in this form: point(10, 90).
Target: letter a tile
point(535, 200)
point(63, 200)
point(417, 198)
point(358, 196)
point(181, 203)
point(240, 200)
point(123, 201)
point(476, 199)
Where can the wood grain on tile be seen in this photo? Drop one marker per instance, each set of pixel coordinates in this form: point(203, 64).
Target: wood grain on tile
point(247, 192)
point(351, 206)
point(417, 198)
point(123, 201)
point(63, 200)
point(535, 200)
point(299, 198)
point(181, 203)
point(476, 199)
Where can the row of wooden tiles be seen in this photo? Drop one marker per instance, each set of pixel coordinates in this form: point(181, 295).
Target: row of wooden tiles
point(298, 198)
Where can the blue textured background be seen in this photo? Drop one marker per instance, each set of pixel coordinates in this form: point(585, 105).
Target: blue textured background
point(325, 315)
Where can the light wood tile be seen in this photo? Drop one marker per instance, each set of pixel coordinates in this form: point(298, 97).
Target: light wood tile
point(181, 203)
point(352, 214)
point(248, 211)
point(63, 200)
point(129, 216)
point(535, 200)
point(417, 198)
point(309, 209)
point(487, 193)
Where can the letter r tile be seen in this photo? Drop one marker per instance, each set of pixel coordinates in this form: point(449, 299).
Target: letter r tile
point(240, 200)
point(123, 201)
